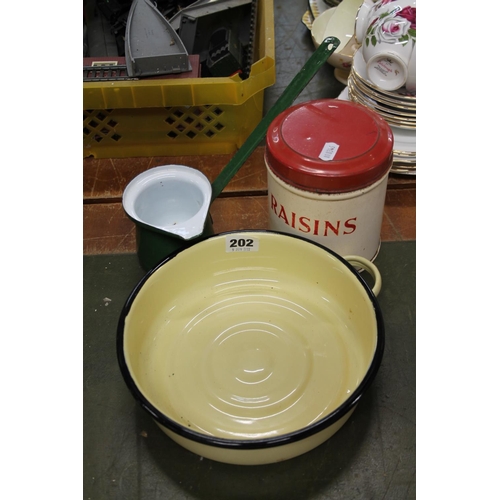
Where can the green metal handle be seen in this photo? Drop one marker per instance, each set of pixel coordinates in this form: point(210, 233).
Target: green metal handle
point(294, 88)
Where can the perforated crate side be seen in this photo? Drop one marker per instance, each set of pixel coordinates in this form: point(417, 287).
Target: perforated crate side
point(179, 117)
point(172, 131)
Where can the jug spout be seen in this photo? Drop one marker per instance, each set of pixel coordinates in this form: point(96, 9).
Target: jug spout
point(173, 199)
point(187, 230)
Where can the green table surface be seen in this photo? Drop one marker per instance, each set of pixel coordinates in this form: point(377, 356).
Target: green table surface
point(127, 456)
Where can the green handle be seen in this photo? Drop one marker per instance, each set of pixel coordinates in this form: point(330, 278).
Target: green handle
point(294, 88)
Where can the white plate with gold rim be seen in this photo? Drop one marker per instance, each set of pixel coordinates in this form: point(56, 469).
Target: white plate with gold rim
point(317, 7)
point(383, 98)
point(393, 122)
point(396, 113)
point(307, 19)
point(405, 140)
point(404, 169)
point(404, 155)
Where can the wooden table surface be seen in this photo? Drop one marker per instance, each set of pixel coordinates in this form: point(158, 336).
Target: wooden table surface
point(242, 205)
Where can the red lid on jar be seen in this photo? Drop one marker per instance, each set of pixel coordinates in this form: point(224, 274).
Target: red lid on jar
point(329, 145)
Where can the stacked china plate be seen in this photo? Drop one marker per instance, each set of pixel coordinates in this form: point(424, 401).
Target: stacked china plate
point(398, 108)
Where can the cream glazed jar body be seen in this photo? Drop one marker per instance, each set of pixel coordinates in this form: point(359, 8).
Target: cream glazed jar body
point(328, 163)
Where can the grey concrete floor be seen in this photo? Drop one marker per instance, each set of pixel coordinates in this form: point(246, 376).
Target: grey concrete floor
point(293, 47)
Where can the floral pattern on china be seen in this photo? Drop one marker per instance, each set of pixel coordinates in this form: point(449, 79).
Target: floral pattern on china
point(399, 25)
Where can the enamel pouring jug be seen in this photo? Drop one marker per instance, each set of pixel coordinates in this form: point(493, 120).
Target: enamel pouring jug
point(170, 204)
point(328, 162)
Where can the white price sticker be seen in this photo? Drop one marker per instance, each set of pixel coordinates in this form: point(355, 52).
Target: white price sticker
point(241, 243)
point(329, 151)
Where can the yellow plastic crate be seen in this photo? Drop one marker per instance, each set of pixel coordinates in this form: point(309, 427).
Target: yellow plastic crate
point(180, 116)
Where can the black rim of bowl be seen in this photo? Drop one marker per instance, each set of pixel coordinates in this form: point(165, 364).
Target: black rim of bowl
point(242, 444)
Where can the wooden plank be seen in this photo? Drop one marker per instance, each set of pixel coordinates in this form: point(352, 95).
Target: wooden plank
point(105, 179)
point(107, 229)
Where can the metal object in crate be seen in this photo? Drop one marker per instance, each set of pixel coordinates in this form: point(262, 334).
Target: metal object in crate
point(172, 117)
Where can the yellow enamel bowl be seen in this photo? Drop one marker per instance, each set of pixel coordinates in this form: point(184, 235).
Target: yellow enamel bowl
point(251, 347)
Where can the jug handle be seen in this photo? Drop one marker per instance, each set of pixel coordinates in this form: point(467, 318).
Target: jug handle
point(294, 88)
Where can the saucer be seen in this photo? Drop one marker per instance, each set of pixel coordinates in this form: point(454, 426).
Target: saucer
point(392, 119)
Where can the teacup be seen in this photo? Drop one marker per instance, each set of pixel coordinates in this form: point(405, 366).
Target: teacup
point(371, 9)
point(387, 31)
point(387, 64)
point(362, 18)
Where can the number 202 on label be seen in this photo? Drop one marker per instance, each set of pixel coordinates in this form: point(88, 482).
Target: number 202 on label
point(241, 244)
